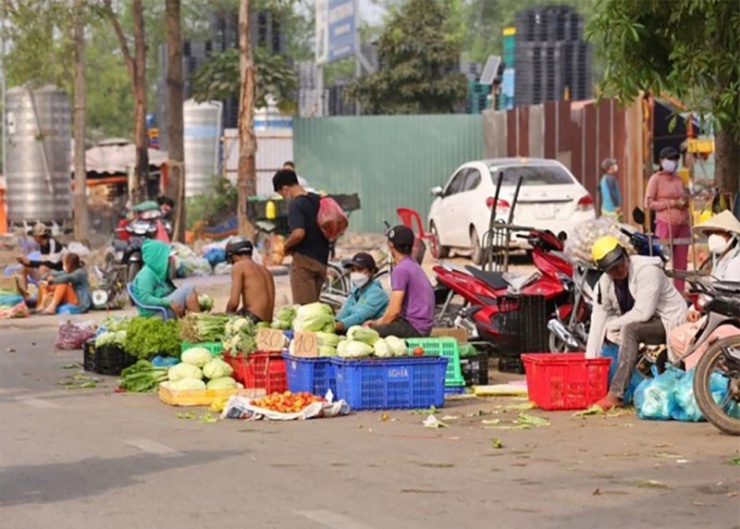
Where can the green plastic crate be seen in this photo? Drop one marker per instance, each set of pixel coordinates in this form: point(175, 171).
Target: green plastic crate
point(446, 347)
point(216, 348)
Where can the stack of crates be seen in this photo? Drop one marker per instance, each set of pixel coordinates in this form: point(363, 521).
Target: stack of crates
point(478, 97)
point(553, 62)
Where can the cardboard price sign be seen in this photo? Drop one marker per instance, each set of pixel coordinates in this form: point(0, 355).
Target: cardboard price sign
point(306, 345)
point(270, 340)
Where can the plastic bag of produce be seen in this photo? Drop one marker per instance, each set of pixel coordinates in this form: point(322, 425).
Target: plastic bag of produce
point(687, 409)
point(74, 335)
point(655, 398)
point(331, 218)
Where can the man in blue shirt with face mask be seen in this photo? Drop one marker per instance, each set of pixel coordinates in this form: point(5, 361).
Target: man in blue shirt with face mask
point(367, 301)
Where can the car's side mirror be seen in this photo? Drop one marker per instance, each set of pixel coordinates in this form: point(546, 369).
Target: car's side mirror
point(437, 191)
point(638, 216)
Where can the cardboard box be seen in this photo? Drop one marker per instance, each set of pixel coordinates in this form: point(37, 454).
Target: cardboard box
point(461, 335)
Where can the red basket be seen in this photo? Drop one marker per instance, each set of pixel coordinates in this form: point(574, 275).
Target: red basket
point(237, 365)
point(566, 381)
point(265, 370)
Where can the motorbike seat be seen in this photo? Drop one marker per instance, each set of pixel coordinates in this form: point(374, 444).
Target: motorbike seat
point(494, 280)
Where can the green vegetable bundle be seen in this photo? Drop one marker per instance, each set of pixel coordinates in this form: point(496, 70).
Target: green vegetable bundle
point(284, 319)
point(314, 317)
point(239, 336)
point(142, 377)
point(147, 337)
point(206, 302)
point(202, 327)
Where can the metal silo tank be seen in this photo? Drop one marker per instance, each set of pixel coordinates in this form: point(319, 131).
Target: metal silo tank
point(201, 140)
point(37, 151)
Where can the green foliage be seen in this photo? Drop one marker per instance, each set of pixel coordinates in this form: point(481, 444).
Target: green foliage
point(419, 55)
point(218, 78)
point(213, 207)
point(147, 337)
point(690, 49)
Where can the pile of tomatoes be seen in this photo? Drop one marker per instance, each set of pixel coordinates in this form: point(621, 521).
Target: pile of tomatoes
point(287, 402)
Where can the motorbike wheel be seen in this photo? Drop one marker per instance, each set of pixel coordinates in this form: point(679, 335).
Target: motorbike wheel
point(713, 360)
point(556, 345)
point(477, 252)
point(132, 270)
point(443, 252)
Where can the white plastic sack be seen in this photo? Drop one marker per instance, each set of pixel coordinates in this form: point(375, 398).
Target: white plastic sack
point(584, 235)
point(242, 408)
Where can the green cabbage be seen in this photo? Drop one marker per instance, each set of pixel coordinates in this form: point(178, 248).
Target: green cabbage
point(196, 356)
point(281, 325)
point(286, 314)
point(329, 339)
point(186, 384)
point(363, 334)
point(184, 372)
point(353, 349)
point(327, 350)
point(314, 317)
point(217, 368)
point(382, 349)
point(397, 346)
point(222, 383)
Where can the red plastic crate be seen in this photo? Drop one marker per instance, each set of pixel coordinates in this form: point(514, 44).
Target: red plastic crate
point(566, 381)
point(237, 365)
point(265, 370)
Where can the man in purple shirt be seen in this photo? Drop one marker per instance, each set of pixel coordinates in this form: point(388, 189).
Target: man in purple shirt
point(410, 313)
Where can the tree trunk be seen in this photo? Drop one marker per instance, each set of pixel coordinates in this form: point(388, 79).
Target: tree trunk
point(144, 189)
point(247, 169)
point(175, 96)
point(727, 167)
point(80, 194)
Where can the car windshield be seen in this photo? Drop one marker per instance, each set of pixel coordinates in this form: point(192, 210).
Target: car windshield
point(532, 175)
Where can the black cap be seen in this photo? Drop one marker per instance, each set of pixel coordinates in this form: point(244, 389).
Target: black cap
point(401, 236)
point(669, 153)
point(239, 246)
point(361, 260)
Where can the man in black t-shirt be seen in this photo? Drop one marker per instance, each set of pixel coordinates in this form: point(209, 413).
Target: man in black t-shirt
point(306, 243)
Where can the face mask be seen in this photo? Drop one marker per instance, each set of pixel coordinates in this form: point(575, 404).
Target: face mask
point(669, 165)
point(718, 244)
point(616, 168)
point(358, 279)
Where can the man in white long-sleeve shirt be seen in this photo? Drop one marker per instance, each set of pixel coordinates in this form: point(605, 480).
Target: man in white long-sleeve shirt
point(635, 303)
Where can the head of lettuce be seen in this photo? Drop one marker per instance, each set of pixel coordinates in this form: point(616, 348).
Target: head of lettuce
point(153, 288)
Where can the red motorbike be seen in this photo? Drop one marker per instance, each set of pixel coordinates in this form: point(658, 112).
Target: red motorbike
point(485, 294)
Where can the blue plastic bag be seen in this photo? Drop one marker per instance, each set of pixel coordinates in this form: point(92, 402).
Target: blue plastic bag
point(68, 309)
point(655, 398)
point(165, 361)
point(688, 409)
point(215, 256)
point(612, 351)
point(10, 300)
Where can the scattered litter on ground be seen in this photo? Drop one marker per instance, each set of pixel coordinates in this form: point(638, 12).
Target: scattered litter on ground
point(433, 422)
point(73, 365)
point(651, 484)
point(427, 411)
point(450, 417)
point(490, 421)
point(734, 461)
point(496, 443)
point(79, 381)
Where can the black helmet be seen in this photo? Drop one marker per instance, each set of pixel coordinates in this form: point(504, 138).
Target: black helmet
point(238, 246)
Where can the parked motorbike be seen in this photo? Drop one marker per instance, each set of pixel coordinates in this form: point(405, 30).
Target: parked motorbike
point(721, 303)
point(125, 259)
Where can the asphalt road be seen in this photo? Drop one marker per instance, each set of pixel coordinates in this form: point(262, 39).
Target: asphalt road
point(78, 459)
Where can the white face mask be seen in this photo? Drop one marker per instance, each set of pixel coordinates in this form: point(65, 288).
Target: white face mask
point(358, 279)
point(718, 244)
point(616, 168)
point(669, 165)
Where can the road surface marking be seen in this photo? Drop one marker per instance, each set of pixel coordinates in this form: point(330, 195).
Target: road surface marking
point(332, 519)
point(37, 403)
point(153, 447)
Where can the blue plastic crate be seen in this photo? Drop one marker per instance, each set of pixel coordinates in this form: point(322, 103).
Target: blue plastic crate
point(312, 375)
point(391, 383)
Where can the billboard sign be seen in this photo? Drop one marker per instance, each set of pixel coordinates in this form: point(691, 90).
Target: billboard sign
point(336, 30)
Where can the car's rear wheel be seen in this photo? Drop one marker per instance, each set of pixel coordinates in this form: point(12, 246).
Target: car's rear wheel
point(442, 251)
point(477, 252)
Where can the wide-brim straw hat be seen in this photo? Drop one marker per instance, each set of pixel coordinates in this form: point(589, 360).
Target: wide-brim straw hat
point(724, 221)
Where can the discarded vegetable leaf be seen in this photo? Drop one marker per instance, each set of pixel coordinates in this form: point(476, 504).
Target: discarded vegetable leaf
point(490, 421)
point(187, 415)
point(735, 461)
point(496, 443)
point(433, 422)
point(531, 420)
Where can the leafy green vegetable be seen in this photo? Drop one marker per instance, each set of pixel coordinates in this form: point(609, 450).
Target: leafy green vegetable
point(206, 302)
point(363, 334)
point(353, 349)
point(314, 317)
point(382, 350)
point(222, 383)
point(196, 356)
point(147, 337)
point(184, 372)
point(326, 350)
point(186, 384)
point(397, 346)
point(142, 377)
point(328, 339)
point(202, 327)
point(217, 368)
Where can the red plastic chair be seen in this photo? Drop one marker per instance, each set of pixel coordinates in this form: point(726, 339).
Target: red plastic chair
point(411, 219)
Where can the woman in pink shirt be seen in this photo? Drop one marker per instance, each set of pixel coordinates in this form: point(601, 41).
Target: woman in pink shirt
point(666, 195)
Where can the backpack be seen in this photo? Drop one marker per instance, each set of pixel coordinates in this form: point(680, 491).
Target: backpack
point(331, 218)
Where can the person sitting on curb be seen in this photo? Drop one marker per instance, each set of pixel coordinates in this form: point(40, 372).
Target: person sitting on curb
point(68, 287)
point(410, 313)
point(153, 287)
point(51, 252)
point(367, 301)
point(251, 284)
point(635, 303)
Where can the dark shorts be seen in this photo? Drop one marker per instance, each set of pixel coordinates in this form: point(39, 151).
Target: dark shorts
point(399, 329)
point(244, 313)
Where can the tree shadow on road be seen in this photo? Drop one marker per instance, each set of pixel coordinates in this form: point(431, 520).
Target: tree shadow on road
point(43, 484)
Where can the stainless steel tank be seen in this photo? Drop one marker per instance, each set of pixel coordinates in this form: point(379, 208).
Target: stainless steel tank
point(201, 143)
point(37, 150)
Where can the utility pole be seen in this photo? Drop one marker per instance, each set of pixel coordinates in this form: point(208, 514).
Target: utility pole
point(175, 125)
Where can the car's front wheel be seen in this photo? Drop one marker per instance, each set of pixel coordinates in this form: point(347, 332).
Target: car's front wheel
point(442, 251)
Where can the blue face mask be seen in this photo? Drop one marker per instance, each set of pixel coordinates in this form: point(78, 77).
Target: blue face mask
point(669, 165)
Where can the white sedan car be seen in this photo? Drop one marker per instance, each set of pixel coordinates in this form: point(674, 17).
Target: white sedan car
point(550, 198)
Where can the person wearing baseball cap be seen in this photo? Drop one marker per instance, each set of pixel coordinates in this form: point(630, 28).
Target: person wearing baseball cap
point(611, 198)
point(252, 284)
point(410, 313)
point(367, 301)
point(50, 253)
point(668, 197)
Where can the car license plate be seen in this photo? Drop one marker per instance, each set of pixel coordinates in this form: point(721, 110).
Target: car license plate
point(545, 211)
